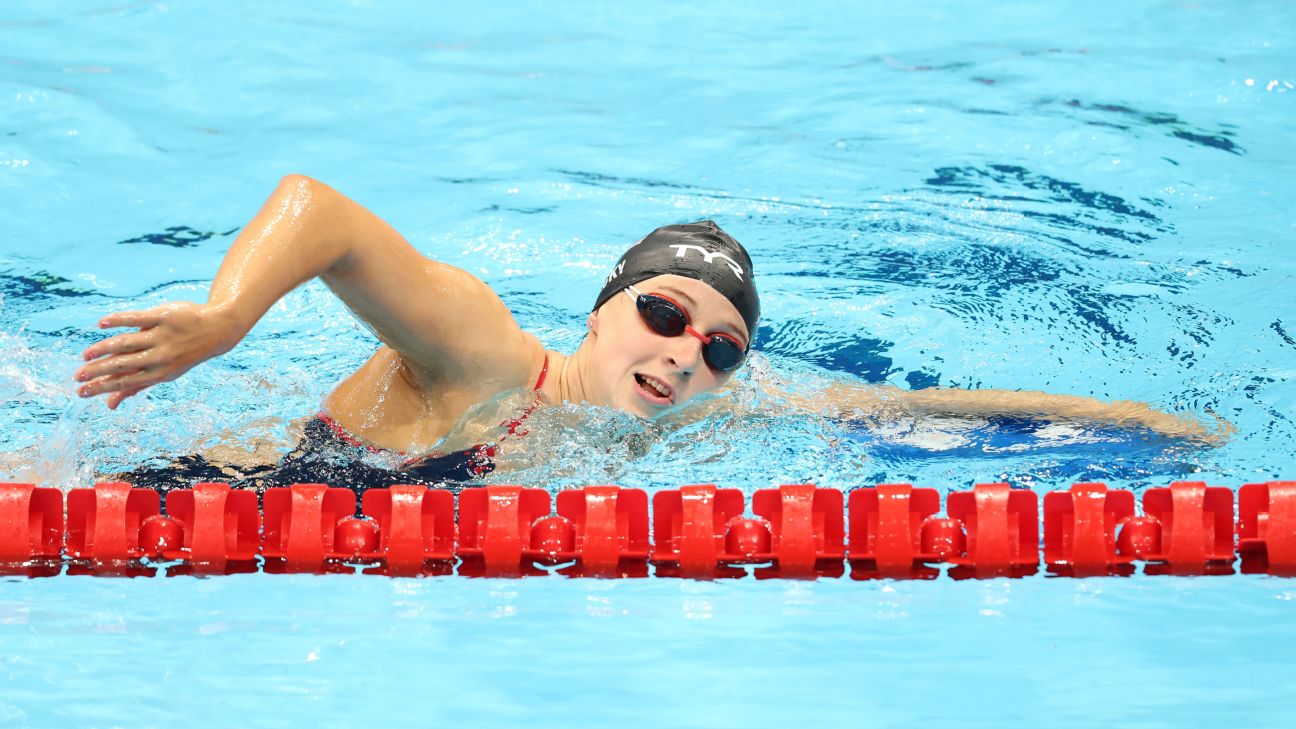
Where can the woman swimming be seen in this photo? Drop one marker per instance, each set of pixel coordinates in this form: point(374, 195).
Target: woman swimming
point(675, 319)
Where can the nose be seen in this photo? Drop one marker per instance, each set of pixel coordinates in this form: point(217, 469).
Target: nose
point(685, 354)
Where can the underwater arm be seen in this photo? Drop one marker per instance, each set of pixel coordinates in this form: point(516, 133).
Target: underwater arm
point(885, 402)
point(441, 319)
point(1121, 413)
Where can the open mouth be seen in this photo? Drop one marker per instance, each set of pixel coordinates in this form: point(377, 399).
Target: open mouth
point(654, 390)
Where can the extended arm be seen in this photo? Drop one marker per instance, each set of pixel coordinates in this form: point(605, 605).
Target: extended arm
point(887, 402)
point(442, 320)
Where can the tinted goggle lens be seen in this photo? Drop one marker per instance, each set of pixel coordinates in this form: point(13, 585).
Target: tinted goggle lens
point(661, 316)
point(721, 353)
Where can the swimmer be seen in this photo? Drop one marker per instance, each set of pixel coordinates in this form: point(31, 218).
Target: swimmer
point(675, 319)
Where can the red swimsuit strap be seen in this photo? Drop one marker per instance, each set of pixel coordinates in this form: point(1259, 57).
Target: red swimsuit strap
point(544, 370)
point(514, 424)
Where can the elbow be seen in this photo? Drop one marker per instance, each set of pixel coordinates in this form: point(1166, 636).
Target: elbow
point(306, 199)
point(319, 216)
point(295, 184)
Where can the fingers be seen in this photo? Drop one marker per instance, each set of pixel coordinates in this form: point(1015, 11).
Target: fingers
point(116, 398)
point(1222, 426)
point(120, 344)
point(123, 365)
point(140, 319)
point(115, 365)
point(135, 380)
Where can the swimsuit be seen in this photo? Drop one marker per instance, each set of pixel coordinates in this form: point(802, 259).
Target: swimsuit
point(329, 454)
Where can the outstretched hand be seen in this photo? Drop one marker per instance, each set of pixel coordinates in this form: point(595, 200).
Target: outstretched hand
point(172, 339)
point(1176, 425)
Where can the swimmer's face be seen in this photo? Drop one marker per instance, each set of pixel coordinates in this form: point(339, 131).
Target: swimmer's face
point(633, 368)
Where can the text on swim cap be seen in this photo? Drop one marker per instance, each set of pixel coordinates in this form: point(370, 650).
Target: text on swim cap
point(682, 249)
point(615, 272)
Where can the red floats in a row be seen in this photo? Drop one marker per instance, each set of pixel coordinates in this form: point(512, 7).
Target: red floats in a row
point(895, 530)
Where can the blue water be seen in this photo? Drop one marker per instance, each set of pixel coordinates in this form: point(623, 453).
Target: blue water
point(1088, 200)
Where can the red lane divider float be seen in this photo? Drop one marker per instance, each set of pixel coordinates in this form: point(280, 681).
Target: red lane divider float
point(1002, 528)
point(894, 532)
point(699, 532)
point(609, 532)
point(807, 531)
point(1080, 530)
point(31, 529)
point(105, 523)
point(1195, 529)
point(415, 528)
point(305, 522)
point(111, 527)
point(499, 533)
point(691, 529)
point(211, 527)
point(1267, 527)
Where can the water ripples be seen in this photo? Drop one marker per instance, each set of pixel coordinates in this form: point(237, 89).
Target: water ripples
point(946, 214)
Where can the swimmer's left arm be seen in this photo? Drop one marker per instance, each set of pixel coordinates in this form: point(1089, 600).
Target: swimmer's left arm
point(886, 402)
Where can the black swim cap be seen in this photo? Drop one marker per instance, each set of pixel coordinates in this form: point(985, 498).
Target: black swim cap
point(699, 251)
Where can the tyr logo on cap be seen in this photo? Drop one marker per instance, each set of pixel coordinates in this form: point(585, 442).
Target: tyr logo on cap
point(700, 251)
point(681, 250)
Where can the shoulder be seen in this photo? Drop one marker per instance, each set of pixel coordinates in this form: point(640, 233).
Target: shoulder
point(489, 366)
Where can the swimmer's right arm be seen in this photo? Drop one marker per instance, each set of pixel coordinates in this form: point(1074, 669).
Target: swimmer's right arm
point(442, 320)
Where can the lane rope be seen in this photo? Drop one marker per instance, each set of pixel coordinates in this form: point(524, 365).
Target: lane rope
point(698, 531)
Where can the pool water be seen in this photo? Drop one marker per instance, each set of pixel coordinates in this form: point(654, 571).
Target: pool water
point(1087, 200)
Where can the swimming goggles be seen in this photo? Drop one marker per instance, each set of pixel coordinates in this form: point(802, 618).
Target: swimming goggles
point(666, 317)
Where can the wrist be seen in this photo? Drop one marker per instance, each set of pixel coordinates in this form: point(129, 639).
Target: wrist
point(230, 323)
